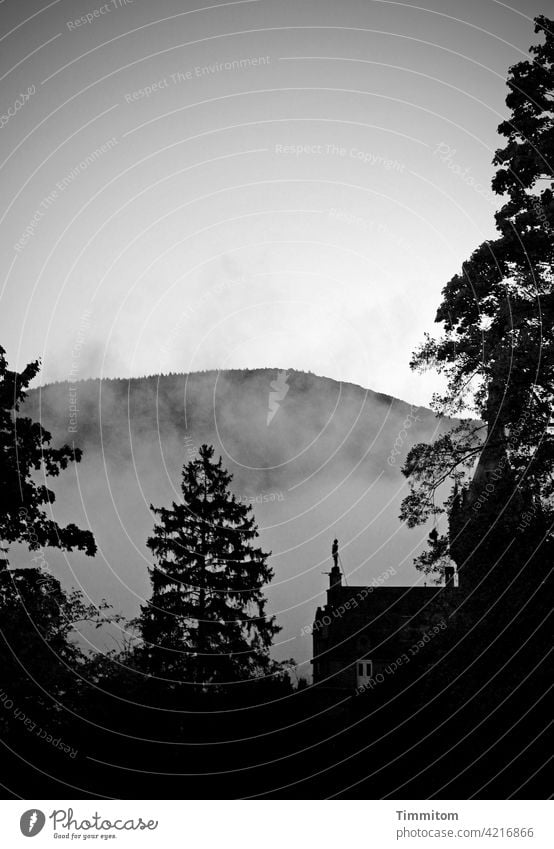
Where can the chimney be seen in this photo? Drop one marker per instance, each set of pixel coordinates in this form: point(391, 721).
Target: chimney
point(335, 578)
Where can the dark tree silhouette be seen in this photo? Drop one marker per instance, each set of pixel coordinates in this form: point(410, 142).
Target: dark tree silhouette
point(38, 654)
point(25, 456)
point(206, 620)
point(497, 352)
point(37, 617)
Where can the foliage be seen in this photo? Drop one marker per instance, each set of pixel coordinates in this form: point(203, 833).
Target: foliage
point(25, 450)
point(39, 650)
point(497, 315)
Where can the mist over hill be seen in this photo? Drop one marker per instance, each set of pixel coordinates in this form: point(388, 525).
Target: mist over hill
point(313, 456)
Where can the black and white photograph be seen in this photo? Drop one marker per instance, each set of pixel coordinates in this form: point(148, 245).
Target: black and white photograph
point(276, 420)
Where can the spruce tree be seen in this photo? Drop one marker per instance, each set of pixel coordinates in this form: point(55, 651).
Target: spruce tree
point(206, 622)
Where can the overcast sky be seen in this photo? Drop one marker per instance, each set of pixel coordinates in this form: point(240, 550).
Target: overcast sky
point(286, 184)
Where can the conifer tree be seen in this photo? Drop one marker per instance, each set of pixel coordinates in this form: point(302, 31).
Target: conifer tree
point(206, 622)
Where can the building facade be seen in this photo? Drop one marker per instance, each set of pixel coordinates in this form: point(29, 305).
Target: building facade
point(362, 631)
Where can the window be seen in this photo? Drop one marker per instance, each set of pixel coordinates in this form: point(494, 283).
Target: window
point(364, 672)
